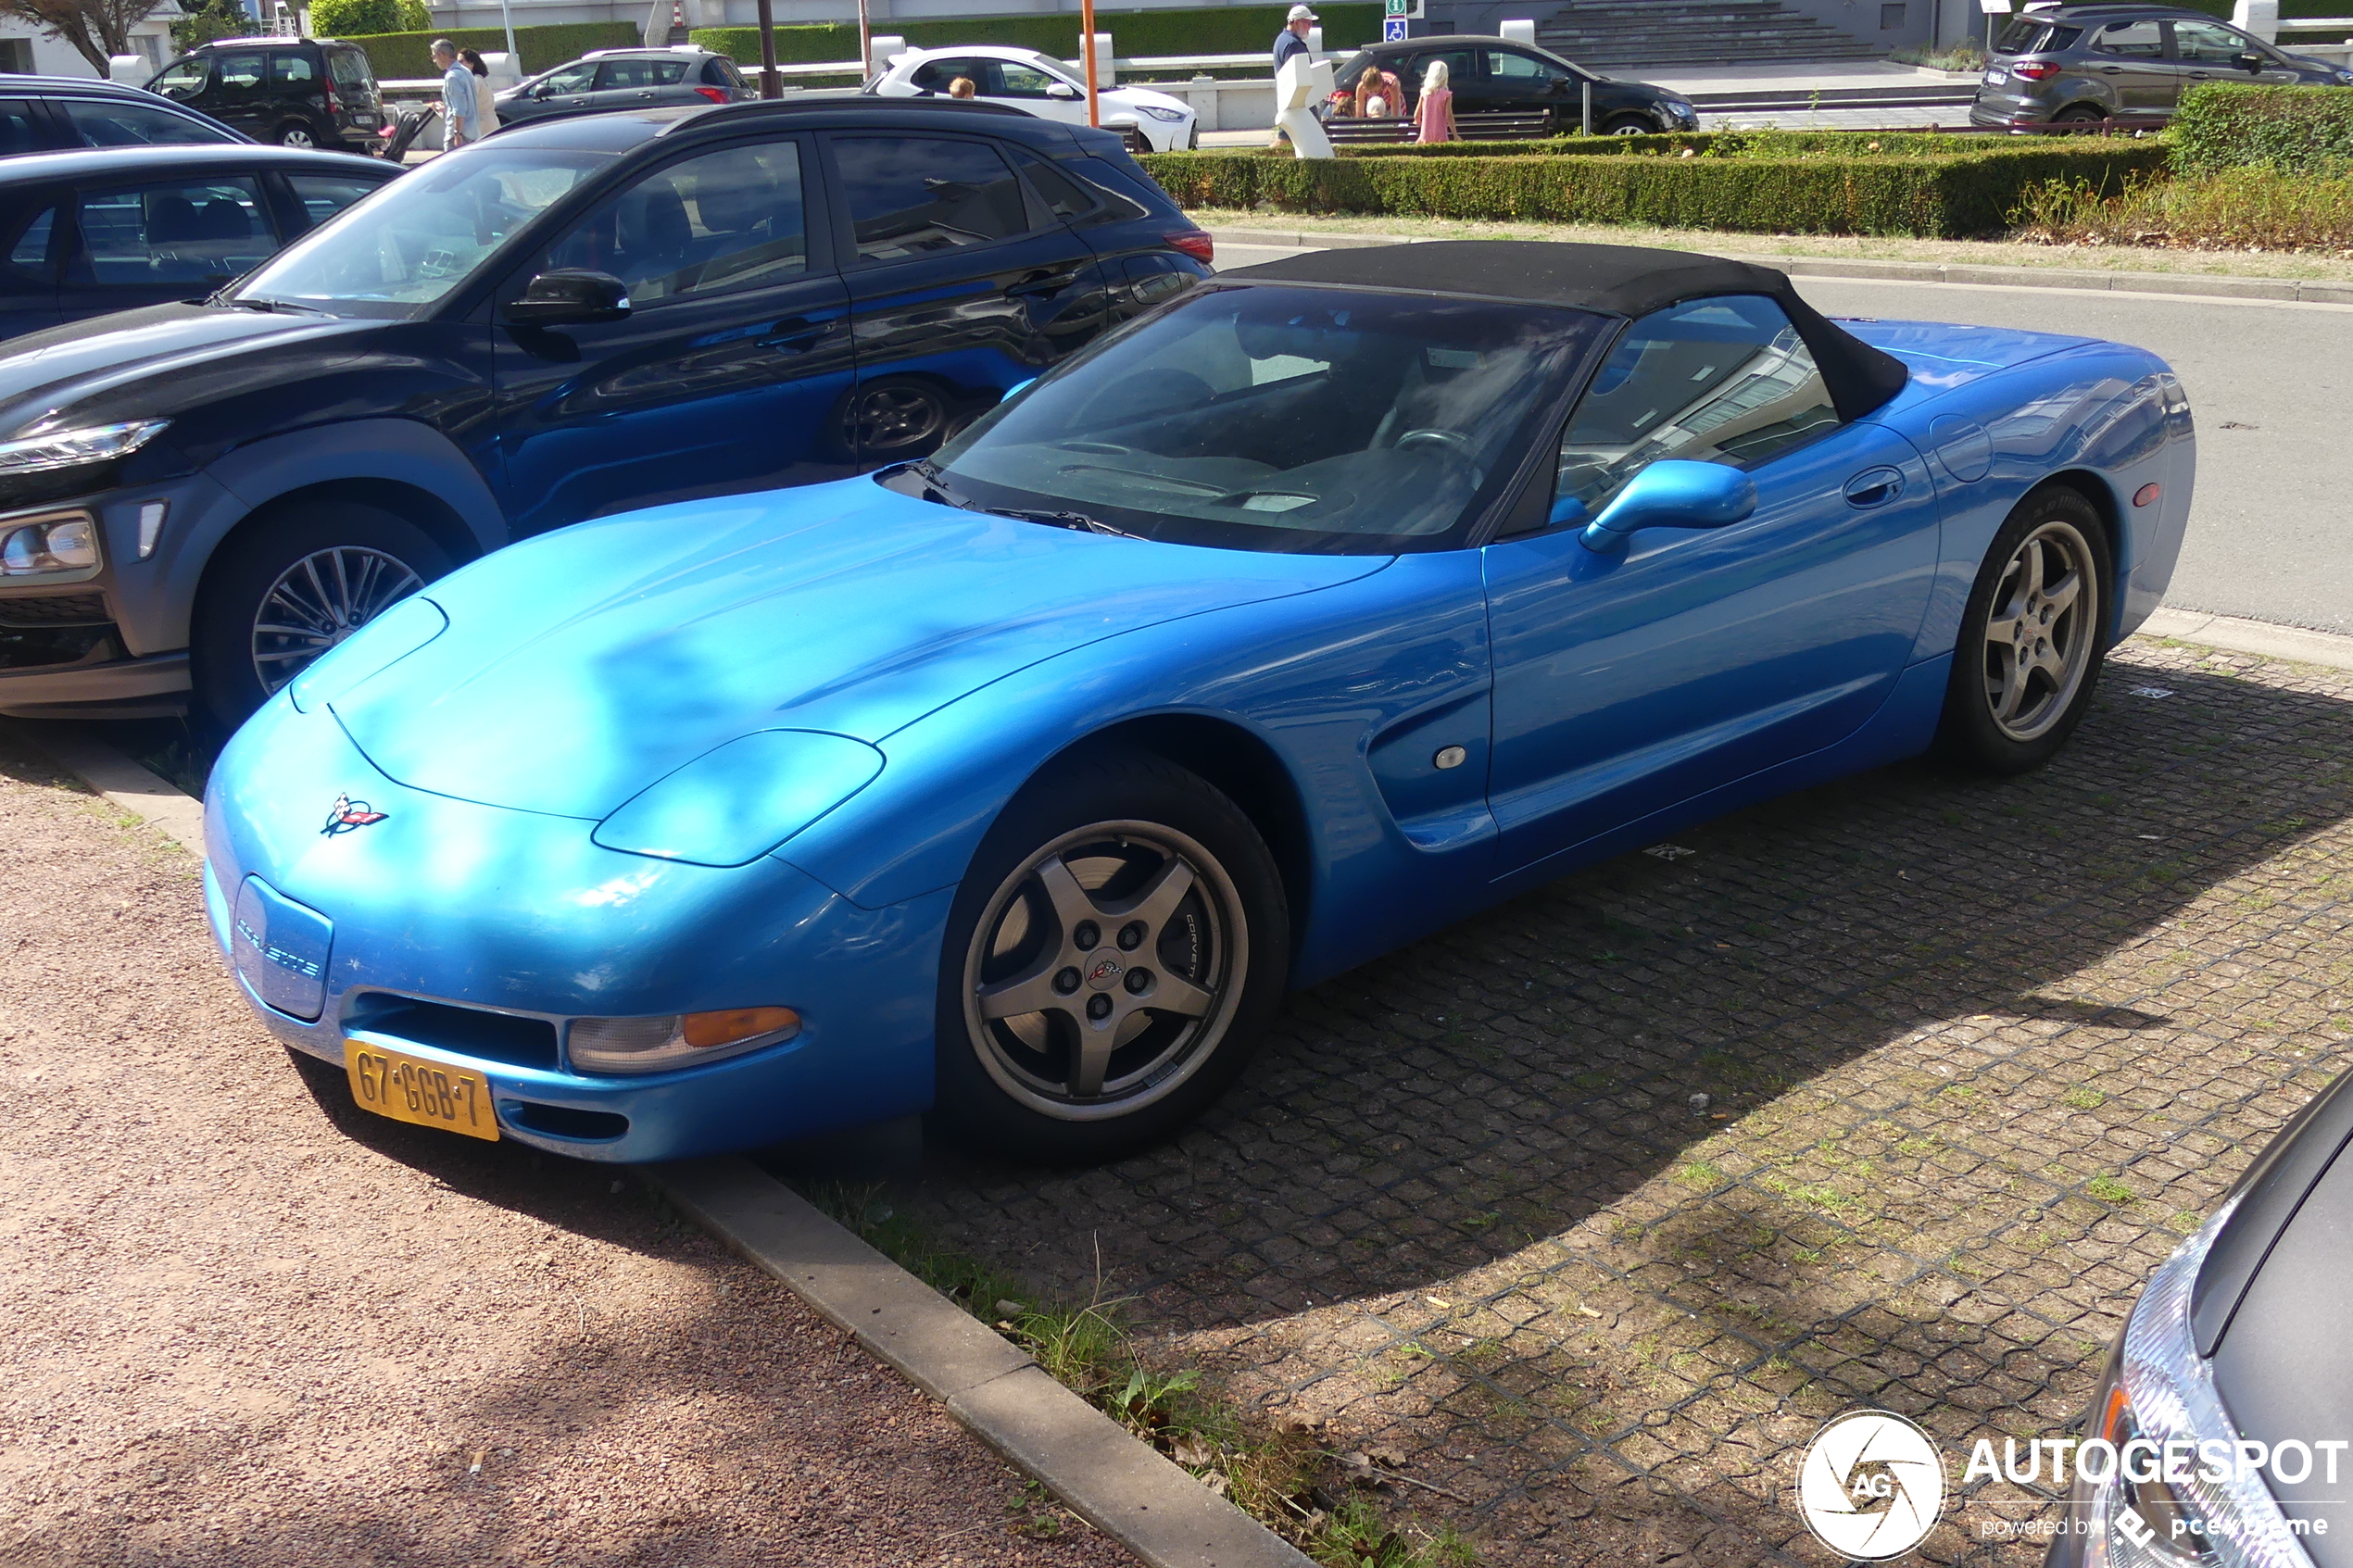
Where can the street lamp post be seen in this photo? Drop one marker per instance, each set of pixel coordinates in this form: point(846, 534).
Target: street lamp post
point(769, 86)
point(1087, 50)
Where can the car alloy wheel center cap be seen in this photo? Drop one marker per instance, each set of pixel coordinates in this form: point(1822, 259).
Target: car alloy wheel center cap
point(1104, 972)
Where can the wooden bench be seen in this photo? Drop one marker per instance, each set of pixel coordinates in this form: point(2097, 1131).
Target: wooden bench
point(1494, 126)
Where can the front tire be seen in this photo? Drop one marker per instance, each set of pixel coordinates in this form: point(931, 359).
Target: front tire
point(1630, 125)
point(294, 588)
point(2034, 635)
point(1117, 952)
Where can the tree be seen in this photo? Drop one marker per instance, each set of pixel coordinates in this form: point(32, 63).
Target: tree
point(98, 28)
point(212, 19)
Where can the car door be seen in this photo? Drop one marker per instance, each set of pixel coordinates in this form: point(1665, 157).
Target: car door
point(2129, 58)
point(729, 369)
point(637, 81)
point(31, 241)
point(237, 95)
point(562, 92)
point(136, 243)
point(2205, 51)
point(1630, 681)
point(963, 284)
point(1512, 82)
point(293, 89)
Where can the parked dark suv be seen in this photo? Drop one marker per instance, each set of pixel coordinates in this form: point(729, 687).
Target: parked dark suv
point(297, 92)
point(1503, 76)
point(626, 79)
point(570, 320)
point(2127, 66)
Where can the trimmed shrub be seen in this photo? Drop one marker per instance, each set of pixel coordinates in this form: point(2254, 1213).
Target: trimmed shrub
point(342, 18)
point(1703, 144)
point(1216, 30)
point(2236, 209)
point(406, 56)
point(2233, 125)
point(1949, 196)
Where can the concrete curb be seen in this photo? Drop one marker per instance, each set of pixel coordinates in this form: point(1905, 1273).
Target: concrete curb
point(1102, 1473)
point(2261, 291)
point(1120, 1485)
point(2231, 634)
point(171, 810)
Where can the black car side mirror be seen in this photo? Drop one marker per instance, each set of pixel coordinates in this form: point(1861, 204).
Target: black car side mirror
point(570, 296)
point(2248, 61)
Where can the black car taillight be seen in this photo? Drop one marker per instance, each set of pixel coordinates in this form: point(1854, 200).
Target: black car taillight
point(1194, 243)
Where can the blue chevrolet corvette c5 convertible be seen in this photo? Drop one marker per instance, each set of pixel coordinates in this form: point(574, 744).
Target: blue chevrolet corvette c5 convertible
point(1332, 600)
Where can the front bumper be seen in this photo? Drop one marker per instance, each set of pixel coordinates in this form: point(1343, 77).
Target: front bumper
point(470, 934)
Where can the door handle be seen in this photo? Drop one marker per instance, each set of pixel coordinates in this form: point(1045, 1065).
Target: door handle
point(2111, 71)
point(796, 334)
point(1045, 282)
point(1874, 487)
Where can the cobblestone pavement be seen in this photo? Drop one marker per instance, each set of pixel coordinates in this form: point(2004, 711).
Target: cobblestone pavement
point(1976, 1054)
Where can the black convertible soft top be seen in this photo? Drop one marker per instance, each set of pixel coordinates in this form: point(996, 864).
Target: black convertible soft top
point(1613, 280)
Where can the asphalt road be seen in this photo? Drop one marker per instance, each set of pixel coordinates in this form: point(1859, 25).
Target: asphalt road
point(2271, 532)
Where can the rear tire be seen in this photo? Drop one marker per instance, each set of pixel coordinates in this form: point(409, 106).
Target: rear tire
point(319, 571)
point(294, 133)
point(2033, 636)
point(2080, 113)
point(1138, 910)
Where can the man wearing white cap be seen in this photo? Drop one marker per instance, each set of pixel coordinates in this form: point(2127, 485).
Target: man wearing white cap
point(1291, 40)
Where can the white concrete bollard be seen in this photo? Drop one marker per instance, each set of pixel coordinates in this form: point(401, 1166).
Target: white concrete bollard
point(133, 69)
point(881, 49)
point(1518, 31)
point(1301, 84)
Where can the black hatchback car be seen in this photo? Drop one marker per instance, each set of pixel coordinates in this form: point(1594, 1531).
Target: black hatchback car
point(42, 114)
point(89, 233)
point(605, 80)
point(565, 321)
point(1492, 75)
point(296, 91)
point(2068, 66)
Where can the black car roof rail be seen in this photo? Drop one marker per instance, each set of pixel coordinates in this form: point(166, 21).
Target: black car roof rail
point(809, 103)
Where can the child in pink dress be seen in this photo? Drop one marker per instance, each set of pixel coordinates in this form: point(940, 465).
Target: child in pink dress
point(1435, 114)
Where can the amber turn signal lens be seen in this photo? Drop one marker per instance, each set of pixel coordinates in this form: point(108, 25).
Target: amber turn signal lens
point(2144, 495)
point(704, 1030)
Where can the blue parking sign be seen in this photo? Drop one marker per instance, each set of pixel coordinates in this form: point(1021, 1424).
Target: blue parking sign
point(1392, 29)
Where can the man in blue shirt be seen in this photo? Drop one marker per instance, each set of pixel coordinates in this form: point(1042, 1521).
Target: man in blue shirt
point(461, 116)
point(1291, 40)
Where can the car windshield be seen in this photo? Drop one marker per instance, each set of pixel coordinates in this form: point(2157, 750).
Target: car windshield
point(1267, 417)
point(420, 236)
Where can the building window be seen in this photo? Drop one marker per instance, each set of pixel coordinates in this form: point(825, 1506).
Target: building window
point(1890, 19)
point(16, 56)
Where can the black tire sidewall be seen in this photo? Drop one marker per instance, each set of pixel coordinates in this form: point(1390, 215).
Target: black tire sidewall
point(221, 633)
point(969, 1105)
point(1966, 737)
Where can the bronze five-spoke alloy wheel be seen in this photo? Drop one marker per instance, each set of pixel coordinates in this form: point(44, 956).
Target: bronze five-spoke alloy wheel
point(1112, 957)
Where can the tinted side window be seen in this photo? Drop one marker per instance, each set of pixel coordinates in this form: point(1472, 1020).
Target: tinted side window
point(572, 78)
point(914, 196)
point(236, 73)
point(1017, 81)
point(2137, 40)
point(323, 195)
point(20, 128)
point(934, 76)
point(2210, 44)
point(720, 71)
point(616, 75)
point(184, 231)
point(182, 80)
point(1718, 381)
point(1521, 70)
point(1065, 196)
point(34, 248)
point(349, 67)
point(291, 70)
point(102, 123)
point(730, 218)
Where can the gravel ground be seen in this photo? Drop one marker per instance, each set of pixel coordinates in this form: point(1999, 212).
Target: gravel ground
point(249, 1323)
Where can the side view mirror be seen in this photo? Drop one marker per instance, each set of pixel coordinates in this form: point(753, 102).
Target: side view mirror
point(1063, 90)
point(570, 296)
point(1673, 493)
point(2249, 61)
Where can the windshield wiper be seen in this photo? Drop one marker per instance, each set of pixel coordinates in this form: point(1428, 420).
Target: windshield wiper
point(255, 302)
point(922, 470)
point(1080, 521)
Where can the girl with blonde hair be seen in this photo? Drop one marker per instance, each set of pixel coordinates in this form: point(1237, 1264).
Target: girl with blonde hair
point(1435, 115)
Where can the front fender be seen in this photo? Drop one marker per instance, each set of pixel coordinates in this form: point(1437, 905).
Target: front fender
point(1317, 679)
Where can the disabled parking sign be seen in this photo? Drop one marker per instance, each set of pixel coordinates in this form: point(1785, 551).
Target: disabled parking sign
point(1392, 29)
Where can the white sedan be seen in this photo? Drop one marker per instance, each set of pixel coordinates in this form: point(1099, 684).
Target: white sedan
point(1044, 87)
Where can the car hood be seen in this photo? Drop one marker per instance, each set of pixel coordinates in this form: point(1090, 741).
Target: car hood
point(580, 667)
point(144, 363)
point(1139, 96)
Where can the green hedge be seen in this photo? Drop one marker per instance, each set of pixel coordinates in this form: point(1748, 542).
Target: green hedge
point(1217, 30)
point(2295, 130)
point(344, 18)
point(398, 56)
point(1950, 196)
point(1702, 143)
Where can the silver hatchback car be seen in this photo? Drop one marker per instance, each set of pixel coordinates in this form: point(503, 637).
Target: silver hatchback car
point(2124, 66)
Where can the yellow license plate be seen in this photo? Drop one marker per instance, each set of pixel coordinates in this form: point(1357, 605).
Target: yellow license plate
point(407, 1089)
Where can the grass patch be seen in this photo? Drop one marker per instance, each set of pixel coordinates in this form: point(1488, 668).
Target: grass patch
point(1283, 1477)
point(2255, 208)
point(2107, 1189)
